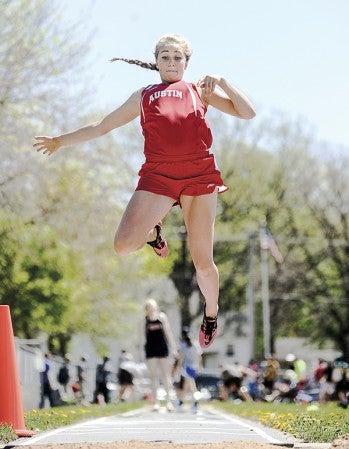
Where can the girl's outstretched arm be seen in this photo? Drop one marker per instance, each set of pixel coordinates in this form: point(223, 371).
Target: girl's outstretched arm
point(119, 117)
point(228, 99)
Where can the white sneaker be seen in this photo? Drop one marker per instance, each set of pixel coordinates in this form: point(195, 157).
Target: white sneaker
point(169, 406)
point(156, 407)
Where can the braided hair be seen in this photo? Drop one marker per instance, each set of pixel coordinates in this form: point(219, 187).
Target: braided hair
point(166, 39)
point(145, 65)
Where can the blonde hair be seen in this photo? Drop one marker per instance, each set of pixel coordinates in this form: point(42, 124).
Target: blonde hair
point(174, 39)
point(151, 304)
point(167, 39)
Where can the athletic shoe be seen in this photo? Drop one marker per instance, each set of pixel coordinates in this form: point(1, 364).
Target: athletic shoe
point(159, 245)
point(208, 331)
point(156, 406)
point(169, 406)
point(194, 407)
point(179, 406)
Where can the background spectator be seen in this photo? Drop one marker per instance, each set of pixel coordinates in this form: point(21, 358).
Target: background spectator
point(103, 373)
point(125, 375)
point(271, 368)
point(158, 339)
point(45, 384)
point(188, 365)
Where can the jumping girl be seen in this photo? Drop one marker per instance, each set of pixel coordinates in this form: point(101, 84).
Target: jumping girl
point(179, 167)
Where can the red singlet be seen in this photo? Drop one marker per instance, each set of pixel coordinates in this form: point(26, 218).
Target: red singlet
point(177, 139)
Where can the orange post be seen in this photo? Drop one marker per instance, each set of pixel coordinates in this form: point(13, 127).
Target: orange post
point(11, 405)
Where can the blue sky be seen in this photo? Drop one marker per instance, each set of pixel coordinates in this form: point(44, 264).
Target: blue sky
point(289, 56)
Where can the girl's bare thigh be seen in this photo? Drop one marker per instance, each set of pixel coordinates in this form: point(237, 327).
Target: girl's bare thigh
point(199, 215)
point(143, 212)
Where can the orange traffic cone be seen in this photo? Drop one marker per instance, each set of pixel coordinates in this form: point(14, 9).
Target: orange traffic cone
point(11, 406)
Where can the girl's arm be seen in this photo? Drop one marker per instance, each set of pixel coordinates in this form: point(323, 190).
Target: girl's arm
point(119, 117)
point(142, 340)
point(168, 333)
point(229, 99)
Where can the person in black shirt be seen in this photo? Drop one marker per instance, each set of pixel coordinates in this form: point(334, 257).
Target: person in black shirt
point(46, 384)
point(158, 340)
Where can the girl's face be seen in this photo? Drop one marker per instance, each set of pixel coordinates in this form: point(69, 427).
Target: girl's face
point(171, 63)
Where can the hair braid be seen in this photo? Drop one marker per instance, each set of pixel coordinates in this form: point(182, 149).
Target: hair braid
point(145, 65)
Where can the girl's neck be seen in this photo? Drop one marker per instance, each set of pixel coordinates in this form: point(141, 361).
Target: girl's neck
point(153, 316)
point(169, 82)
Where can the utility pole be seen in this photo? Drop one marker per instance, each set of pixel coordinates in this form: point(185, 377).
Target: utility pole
point(250, 303)
point(265, 293)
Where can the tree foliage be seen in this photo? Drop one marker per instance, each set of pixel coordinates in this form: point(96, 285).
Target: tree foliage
point(76, 195)
point(35, 277)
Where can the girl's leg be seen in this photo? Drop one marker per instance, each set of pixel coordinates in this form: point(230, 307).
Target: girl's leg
point(165, 369)
point(199, 216)
point(192, 390)
point(143, 212)
point(152, 365)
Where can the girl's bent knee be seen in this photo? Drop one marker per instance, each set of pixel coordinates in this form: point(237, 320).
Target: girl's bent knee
point(206, 270)
point(121, 249)
point(126, 245)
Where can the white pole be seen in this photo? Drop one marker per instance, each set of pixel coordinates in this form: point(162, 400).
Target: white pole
point(265, 297)
point(250, 295)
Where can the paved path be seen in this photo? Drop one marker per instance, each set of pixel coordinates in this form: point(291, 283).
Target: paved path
point(206, 426)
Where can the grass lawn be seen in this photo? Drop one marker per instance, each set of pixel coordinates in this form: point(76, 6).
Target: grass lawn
point(309, 423)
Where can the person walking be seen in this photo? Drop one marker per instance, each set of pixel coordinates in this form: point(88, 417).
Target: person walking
point(81, 381)
point(103, 373)
point(189, 363)
point(64, 376)
point(125, 376)
point(157, 340)
point(179, 168)
point(46, 390)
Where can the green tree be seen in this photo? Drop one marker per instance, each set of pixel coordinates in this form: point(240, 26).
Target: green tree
point(324, 286)
point(41, 62)
point(36, 271)
point(79, 193)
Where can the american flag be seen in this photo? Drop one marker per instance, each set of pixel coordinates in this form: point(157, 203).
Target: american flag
point(267, 242)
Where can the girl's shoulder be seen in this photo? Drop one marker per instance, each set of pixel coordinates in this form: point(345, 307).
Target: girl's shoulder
point(152, 86)
point(162, 316)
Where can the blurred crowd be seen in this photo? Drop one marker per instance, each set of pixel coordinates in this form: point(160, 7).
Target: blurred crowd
point(270, 380)
point(172, 372)
point(288, 380)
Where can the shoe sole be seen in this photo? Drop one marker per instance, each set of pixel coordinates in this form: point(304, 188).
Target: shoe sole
point(163, 252)
point(202, 343)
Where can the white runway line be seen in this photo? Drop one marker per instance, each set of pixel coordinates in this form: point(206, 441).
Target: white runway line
point(108, 426)
point(248, 426)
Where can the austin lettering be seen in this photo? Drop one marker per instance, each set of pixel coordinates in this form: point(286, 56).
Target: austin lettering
point(165, 93)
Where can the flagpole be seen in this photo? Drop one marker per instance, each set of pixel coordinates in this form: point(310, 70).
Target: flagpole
point(250, 294)
point(265, 292)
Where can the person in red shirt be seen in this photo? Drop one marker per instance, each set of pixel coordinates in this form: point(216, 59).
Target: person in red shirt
point(179, 167)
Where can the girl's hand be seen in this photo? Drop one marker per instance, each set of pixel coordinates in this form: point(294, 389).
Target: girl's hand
point(208, 84)
point(48, 145)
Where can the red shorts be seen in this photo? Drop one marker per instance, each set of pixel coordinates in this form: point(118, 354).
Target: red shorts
point(181, 177)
